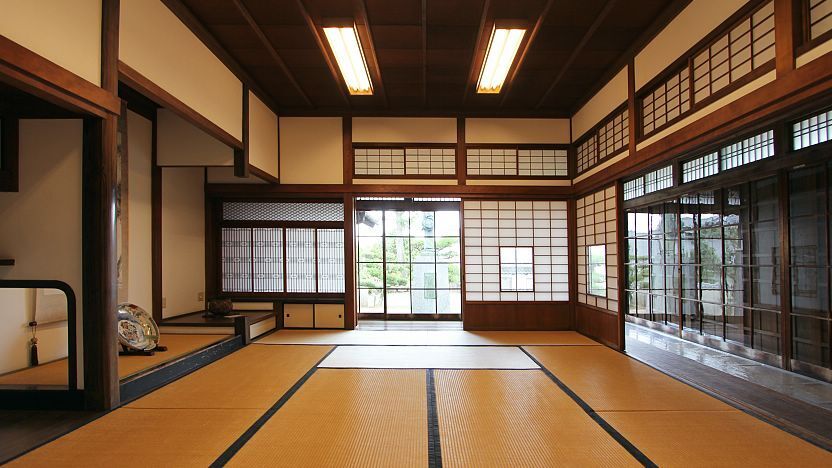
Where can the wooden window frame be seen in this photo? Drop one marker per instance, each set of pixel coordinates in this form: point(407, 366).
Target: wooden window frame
point(9, 154)
point(593, 133)
point(404, 147)
point(686, 61)
point(805, 30)
point(519, 147)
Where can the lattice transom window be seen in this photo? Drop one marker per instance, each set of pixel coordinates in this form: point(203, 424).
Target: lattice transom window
point(667, 101)
point(746, 47)
point(282, 211)
point(700, 167)
point(522, 162)
point(500, 239)
point(813, 130)
point(748, 150)
point(613, 135)
point(820, 18)
point(404, 161)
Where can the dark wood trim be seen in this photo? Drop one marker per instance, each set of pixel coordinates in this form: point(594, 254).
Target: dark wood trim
point(256, 191)
point(524, 49)
point(365, 34)
point(785, 267)
point(28, 71)
point(242, 155)
point(461, 156)
point(593, 133)
point(282, 224)
point(578, 49)
point(517, 316)
point(621, 256)
point(507, 113)
point(99, 267)
point(477, 56)
point(156, 227)
point(803, 30)
point(212, 247)
point(9, 154)
point(266, 43)
point(154, 92)
point(786, 34)
point(423, 24)
point(801, 88)
point(350, 284)
point(572, 250)
point(187, 17)
point(633, 116)
point(349, 163)
point(330, 63)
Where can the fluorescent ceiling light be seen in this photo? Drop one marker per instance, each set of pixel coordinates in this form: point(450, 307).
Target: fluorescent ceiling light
point(502, 48)
point(347, 49)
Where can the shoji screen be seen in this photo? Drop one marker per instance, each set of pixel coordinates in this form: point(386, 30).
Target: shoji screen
point(498, 234)
point(596, 223)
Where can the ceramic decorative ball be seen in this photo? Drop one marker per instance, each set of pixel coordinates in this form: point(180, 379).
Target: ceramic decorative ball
point(220, 307)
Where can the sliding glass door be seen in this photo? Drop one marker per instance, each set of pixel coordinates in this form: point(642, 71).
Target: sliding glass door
point(409, 263)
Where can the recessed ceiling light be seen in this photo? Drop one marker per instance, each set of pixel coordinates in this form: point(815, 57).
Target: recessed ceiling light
point(346, 47)
point(502, 48)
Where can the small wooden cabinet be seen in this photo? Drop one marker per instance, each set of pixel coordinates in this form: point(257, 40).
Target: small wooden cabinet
point(313, 316)
point(329, 315)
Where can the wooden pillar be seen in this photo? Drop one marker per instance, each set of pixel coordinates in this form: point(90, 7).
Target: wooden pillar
point(241, 155)
point(101, 390)
point(786, 14)
point(350, 289)
point(621, 253)
point(461, 157)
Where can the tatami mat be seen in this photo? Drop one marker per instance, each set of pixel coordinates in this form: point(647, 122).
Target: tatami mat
point(425, 337)
point(346, 417)
point(610, 381)
point(707, 438)
point(422, 357)
point(253, 377)
point(56, 372)
point(517, 418)
point(145, 438)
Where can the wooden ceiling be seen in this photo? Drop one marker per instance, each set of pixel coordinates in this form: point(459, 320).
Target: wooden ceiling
point(427, 52)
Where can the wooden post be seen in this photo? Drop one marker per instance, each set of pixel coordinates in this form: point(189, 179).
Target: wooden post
point(101, 381)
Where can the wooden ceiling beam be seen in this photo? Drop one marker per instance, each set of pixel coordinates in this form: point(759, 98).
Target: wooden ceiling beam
point(258, 31)
point(475, 56)
point(333, 70)
point(424, 53)
point(529, 41)
point(599, 19)
point(362, 15)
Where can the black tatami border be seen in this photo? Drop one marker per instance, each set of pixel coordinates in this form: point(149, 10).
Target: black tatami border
point(628, 446)
point(235, 447)
point(434, 444)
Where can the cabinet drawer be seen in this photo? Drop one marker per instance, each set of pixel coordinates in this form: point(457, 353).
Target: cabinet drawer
point(329, 315)
point(298, 315)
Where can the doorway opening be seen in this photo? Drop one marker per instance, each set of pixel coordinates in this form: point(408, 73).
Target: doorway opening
point(408, 258)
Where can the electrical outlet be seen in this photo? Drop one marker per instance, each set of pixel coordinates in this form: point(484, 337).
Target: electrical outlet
point(200, 296)
point(164, 302)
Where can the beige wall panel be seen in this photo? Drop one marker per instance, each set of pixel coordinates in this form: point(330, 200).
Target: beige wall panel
point(45, 236)
point(731, 97)
point(695, 22)
point(183, 240)
point(262, 139)
point(65, 32)
point(311, 150)
point(225, 175)
point(403, 130)
point(179, 143)
point(612, 95)
point(155, 43)
point(139, 211)
point(520, 182)
point(816, 52)
point(519, 131)
point(601, 167)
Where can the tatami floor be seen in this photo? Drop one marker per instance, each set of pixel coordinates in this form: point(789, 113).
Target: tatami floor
point(443, 398)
